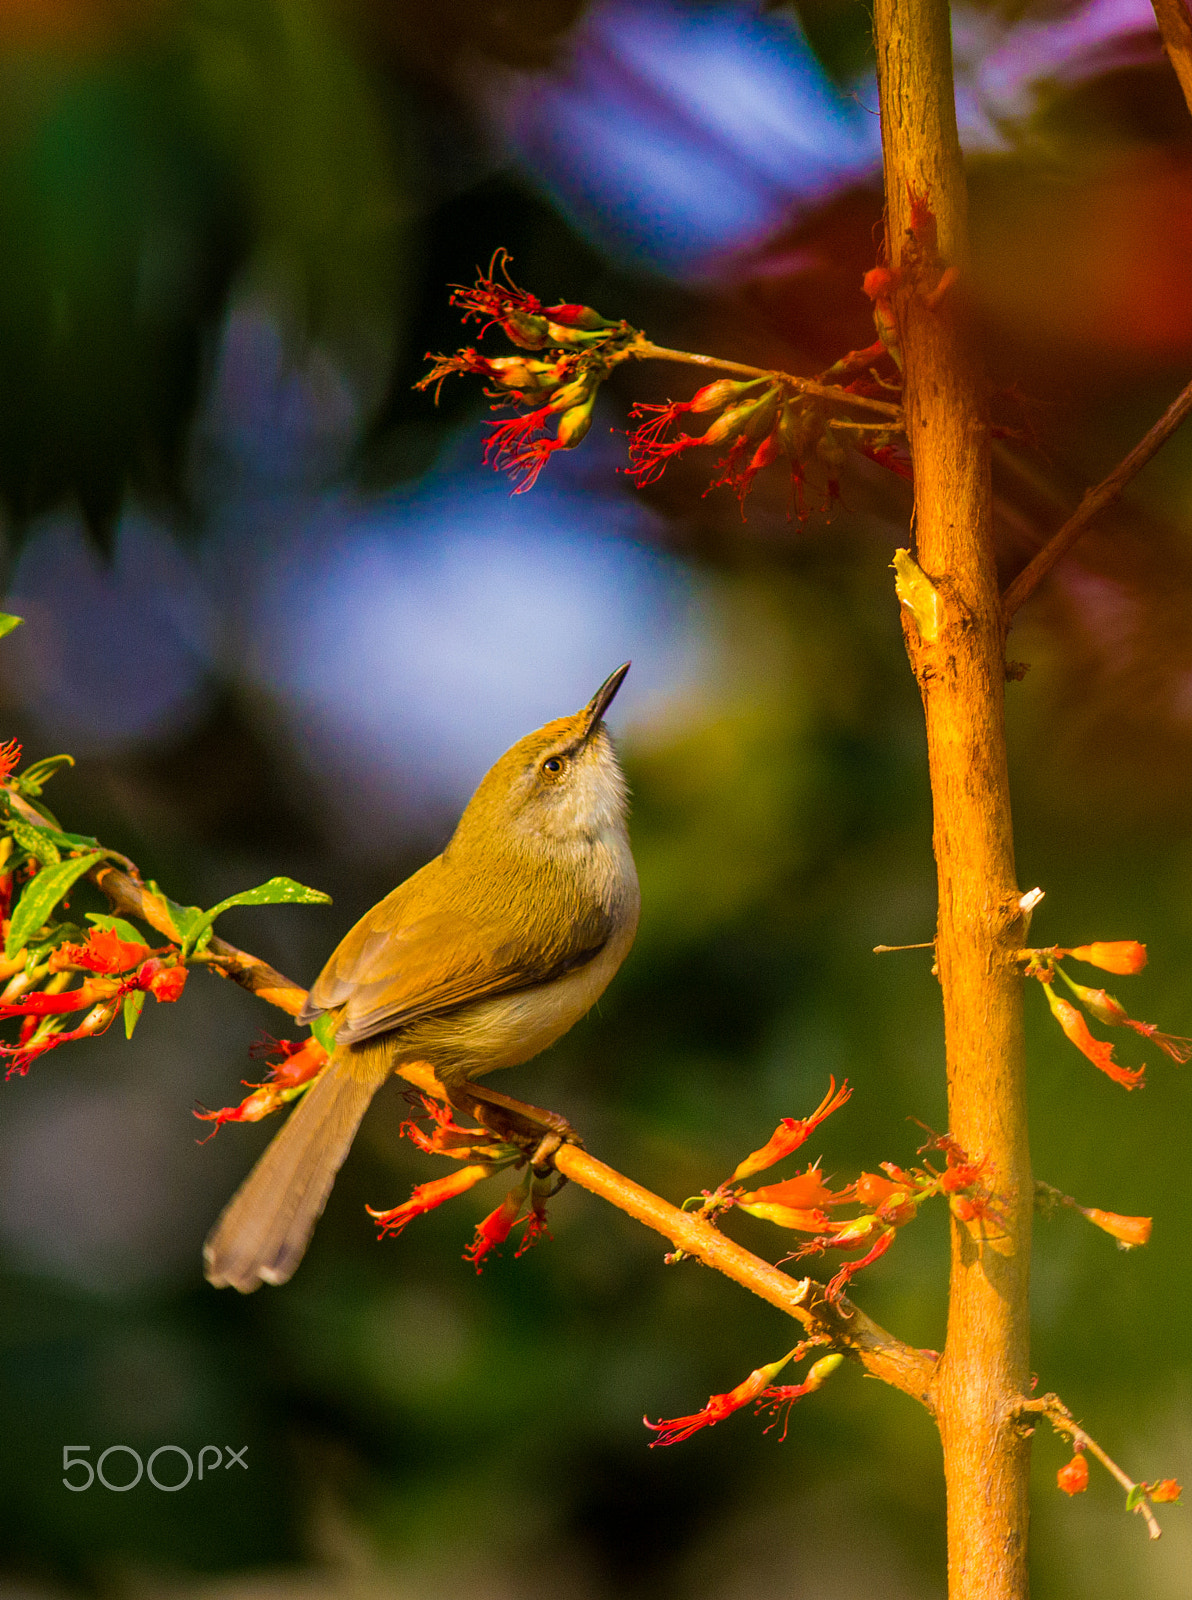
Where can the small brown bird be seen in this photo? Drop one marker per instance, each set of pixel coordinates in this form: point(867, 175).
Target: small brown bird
point(484, 957)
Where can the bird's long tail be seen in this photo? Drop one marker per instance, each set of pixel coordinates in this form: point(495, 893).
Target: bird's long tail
point(264, 1229)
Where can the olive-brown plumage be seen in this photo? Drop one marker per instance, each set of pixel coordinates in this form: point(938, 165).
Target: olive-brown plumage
point(481, 959)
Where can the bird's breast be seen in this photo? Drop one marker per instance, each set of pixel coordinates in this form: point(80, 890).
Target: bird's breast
point(507, 1029)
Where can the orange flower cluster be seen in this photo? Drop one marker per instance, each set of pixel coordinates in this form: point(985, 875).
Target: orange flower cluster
point(559, 390)
point(886, 1203)
point(1124, 957)
point(125, 971)
point(760, 420)
point(525, 1204)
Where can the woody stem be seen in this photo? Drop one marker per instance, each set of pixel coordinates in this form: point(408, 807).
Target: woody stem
point(646, 350)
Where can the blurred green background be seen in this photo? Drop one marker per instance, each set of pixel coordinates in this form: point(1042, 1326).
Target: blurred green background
point(285, 621)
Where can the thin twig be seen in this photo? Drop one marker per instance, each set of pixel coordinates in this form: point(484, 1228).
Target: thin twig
point(1062, 1420)
point(127, 892)
point(882, 1355)
point(646, 350)
point(1095, 501)
point(1176, 27)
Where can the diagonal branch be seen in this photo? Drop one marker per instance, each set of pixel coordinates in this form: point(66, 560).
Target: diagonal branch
point(1095, 502)
point(646, 350)
point(127, 892)
point(1176, 27)
point(880, 1353)
point(1062, 1420)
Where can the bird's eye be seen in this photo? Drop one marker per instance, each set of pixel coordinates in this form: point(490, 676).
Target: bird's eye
point(552, 764)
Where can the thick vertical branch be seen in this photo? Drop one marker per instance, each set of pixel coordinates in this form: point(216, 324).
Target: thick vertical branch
point(960, 670)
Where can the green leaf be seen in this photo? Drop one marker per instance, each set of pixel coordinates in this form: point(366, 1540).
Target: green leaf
point(8, 622)
point(35, 840)
point(119, 926)
point(132, 1011)
point(61, 933)
point(323, 1029)
point(42, 895)
point(184, 918)
point(124, 930)
point(1135, 1496)
point(278, 891)
point(55, 838)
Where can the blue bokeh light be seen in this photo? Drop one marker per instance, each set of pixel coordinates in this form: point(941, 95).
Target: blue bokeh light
point(673, 134)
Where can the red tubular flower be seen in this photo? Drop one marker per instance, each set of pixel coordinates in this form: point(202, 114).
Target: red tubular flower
point(10, 759)
point(1098, 1051)
point(797, 1203)
point(40, 1004)
point(513, 448)
point(495, 1228)
point(1074, 1478)
point(792, 1132)
point(675, 1429)
point(650, 452)
point(298, 1060)
point(509, 375)
point(427, 1196)
point(740, 478)
point(805, 1190)
point(265, 1099)
point(1128, 1231)
point(781, 1397)
point(748, 416)
point(840, 1282)
point(534, 1223)
point(1123, 956)
point(104, 951)
point(33, 1042)
point(1113, 1013)
point(801, 1219)
point(491, 301)
point(874, 1191)
point(448, 1137)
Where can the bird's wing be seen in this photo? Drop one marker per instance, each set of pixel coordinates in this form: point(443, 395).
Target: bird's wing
point(411, 958)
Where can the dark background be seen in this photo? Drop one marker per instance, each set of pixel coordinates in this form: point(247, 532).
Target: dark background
point(285, 620)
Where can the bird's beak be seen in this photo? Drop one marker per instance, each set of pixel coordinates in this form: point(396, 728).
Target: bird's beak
point(601, 700)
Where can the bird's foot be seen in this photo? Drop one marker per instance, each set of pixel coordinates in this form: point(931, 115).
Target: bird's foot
point(538, 1132)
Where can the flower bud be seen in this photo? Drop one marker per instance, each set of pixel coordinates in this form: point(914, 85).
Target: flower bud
point(530, 332)
point(822, 1370)
point(1128, 1231)
point(576, 316)
point(714, 395)
point(733, 420)
point(1074, 1478)
point(1123, 956)
point(574, 423)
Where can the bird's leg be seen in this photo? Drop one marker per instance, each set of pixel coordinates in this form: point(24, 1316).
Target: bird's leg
point(539, 1132)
